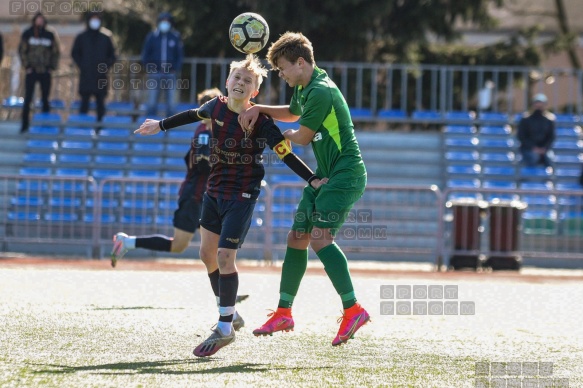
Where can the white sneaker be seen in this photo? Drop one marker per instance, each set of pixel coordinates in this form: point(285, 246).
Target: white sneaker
point(119, 248)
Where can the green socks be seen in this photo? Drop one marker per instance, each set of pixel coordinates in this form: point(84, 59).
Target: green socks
point(292, 272)
point(336, 267)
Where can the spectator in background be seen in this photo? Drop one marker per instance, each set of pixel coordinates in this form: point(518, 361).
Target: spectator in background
point(162, 56)
point(39, 52)
point(536, 133)
point(94, 53)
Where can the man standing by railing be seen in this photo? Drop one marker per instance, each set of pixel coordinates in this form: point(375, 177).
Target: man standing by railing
point(94, 54)
point(39, 52)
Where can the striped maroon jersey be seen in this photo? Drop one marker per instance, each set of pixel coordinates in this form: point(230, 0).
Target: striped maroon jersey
point(236, 157)
point(197, 171)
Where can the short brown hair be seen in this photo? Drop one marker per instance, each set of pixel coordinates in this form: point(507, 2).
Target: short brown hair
point(291, 46)
point(207, 95)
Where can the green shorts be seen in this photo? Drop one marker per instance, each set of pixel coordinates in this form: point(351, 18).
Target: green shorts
point(327, 207)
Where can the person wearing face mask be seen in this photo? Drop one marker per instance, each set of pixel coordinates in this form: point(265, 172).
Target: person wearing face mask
point(94, 53)
point(162, 56)
point(536, 133)
point(39, 51)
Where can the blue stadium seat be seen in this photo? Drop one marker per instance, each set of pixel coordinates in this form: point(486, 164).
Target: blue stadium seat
point(180, 148)
point(463, 170)
point(136, 219)
point(568, 160)
point(65, 202)
point(27, 201)
point(78, 132)
point(460, 116)
point(114, 133)
point(28, 171)
point(470, 143)
point(535, 172)
point(499, 171)
point(164, 219)
point(112, 146)
point(496, 184)
point(23, 216)
point(47, 117)
point(105, 218)
point(110, 159)
point(68, 186)
point(148, 147)
point(141, 188)
point(42, 144)
point(461, 156)
point(106, 203)
point(39, 158)
point(76, 119)
point(426, 115)
point(491, 117)
point(146, 160)
point(495, 131)
point(568, 172)
point(538, 200)
point(144, 174)
point(44, 130)
point(463, 184)
point(568, 146)
point(566, 118)
point(392, 115)
point(76, 145)
point(504, 157)
point(57, 104)
point(469, 130)
point(360, 114)
point(497, 144)
point(178, 162)
point(31, 186)
point(568, 133)
point(167, 205)
point(539, 186)
point(105, 173)
point(72, 172)
point(176, 134)
point(173, 174)
point(61, 217)
point(282, 222)
point(13, 102)
point(282, 125)
point(568, 186)
point(138, 204)
point(74, 158)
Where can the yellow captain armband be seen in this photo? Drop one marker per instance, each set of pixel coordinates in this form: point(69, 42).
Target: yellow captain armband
point(282, 149)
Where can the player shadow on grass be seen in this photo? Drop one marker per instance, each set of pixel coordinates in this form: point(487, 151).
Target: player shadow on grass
point(155, 367)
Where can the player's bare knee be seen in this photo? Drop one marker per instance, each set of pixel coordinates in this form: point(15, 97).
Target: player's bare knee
point(226, 260)
point(179, 246)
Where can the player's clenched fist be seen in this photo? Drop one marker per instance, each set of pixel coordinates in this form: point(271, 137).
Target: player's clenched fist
point(149, 127)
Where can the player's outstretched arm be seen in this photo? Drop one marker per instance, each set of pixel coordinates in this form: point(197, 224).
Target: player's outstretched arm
point(152, 127)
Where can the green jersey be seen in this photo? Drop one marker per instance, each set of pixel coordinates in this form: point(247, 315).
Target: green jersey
point(323, 109)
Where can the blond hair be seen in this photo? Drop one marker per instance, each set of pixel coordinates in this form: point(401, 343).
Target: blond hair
point(291, 46)
point(252, 64)
point(207, 95)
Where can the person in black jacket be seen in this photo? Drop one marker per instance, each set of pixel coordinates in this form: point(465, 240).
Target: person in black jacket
point(39, 51)
point(94, 54)
point(536, 133)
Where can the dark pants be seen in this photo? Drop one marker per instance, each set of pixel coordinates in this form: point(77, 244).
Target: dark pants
point(99, 102)
point(45, 85)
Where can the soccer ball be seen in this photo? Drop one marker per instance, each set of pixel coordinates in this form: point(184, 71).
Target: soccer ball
point(249, 32)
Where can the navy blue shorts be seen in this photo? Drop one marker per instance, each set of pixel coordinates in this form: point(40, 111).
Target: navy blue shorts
point(229, 219)
point(187, 215)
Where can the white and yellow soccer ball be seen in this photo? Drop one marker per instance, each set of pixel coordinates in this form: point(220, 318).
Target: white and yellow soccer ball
point(249, 32)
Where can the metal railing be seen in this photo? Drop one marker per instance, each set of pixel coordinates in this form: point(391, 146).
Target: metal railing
point(376, 88)
point(400, 223)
